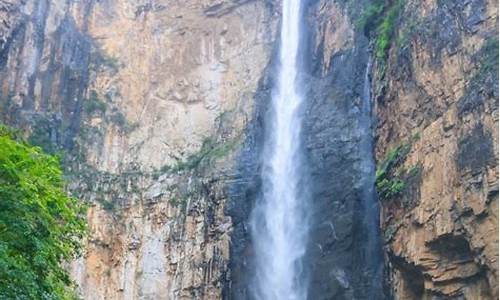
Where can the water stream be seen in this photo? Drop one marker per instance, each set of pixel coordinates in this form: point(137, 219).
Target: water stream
point(373, 256)
point(279, 221)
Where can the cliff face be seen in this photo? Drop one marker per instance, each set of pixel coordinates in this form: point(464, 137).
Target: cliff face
point(161, 107)
point(148, 100)
point(438, 102)
point(344, 258)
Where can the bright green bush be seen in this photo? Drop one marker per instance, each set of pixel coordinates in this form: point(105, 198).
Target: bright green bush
point(390, 178)
point(370, 16)
point(385, 30)
point(40, 226)
point(209, 152)
point(380, 18)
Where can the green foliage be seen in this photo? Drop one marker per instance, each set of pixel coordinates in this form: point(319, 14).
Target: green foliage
point(107, 205)
point(389, 188)
point(101, 62)
point(210, 151)
point(40, 226)
point(94, 104)
point(164, 169)
point(10, 132)
point(391, 181)
point(380, 16)
point(414, 171)
point(395, 157)
point(407, 30)
point(489, 61)
point(482, 81)
point(178, 201)
point(40, 136)
point(389, 232)
point(385, 30)
point(370, 16)
point(221, 150)
point(111, 62)
point(119, 119)
point(43, 134)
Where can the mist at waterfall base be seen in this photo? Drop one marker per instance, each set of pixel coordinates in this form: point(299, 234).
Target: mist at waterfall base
point(279, 221)
point(282, 226)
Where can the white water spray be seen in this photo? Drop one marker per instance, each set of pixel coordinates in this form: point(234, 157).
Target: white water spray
point(279, 220)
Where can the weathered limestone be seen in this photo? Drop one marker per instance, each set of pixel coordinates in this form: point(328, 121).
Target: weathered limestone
point(149, 100)
point(160, 105)
point(441, 94)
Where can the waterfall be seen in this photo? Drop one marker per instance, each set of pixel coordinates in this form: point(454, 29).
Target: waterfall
point(372, 251)
point(279, 221)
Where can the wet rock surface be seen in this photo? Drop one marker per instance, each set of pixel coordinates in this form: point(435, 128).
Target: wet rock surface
point(342, 261)
point(344, 256)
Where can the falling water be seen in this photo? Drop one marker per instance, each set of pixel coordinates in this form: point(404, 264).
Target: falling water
point(373, 255)
point(279, 220)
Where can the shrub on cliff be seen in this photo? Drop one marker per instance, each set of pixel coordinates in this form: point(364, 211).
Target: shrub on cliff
point(380, 17)
point(40, 226)
point(391, 178)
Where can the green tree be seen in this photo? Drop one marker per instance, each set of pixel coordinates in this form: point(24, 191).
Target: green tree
point(41, 227)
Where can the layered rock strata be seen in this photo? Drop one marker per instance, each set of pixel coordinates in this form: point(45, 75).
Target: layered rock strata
point(438, 98)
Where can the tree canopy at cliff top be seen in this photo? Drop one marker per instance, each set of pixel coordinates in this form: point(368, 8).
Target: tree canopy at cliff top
point(41, 227)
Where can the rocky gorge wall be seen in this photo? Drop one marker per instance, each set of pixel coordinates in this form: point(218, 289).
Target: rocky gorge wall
point(148, 100)
point(160, 108)
point(437, 110)
point(342, 261)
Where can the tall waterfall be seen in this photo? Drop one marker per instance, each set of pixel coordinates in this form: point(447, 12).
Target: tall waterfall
point(279, 221)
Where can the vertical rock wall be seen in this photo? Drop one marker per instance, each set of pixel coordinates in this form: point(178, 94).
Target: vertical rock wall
point(345, 256)
point(438, 101)
point(160, 108)
point(148, 100)
point(339, 263)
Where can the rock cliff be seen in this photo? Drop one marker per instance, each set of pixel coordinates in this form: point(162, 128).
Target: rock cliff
point(437, 110)
point(160, 108)
point(344, 258)
point(148, 100)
